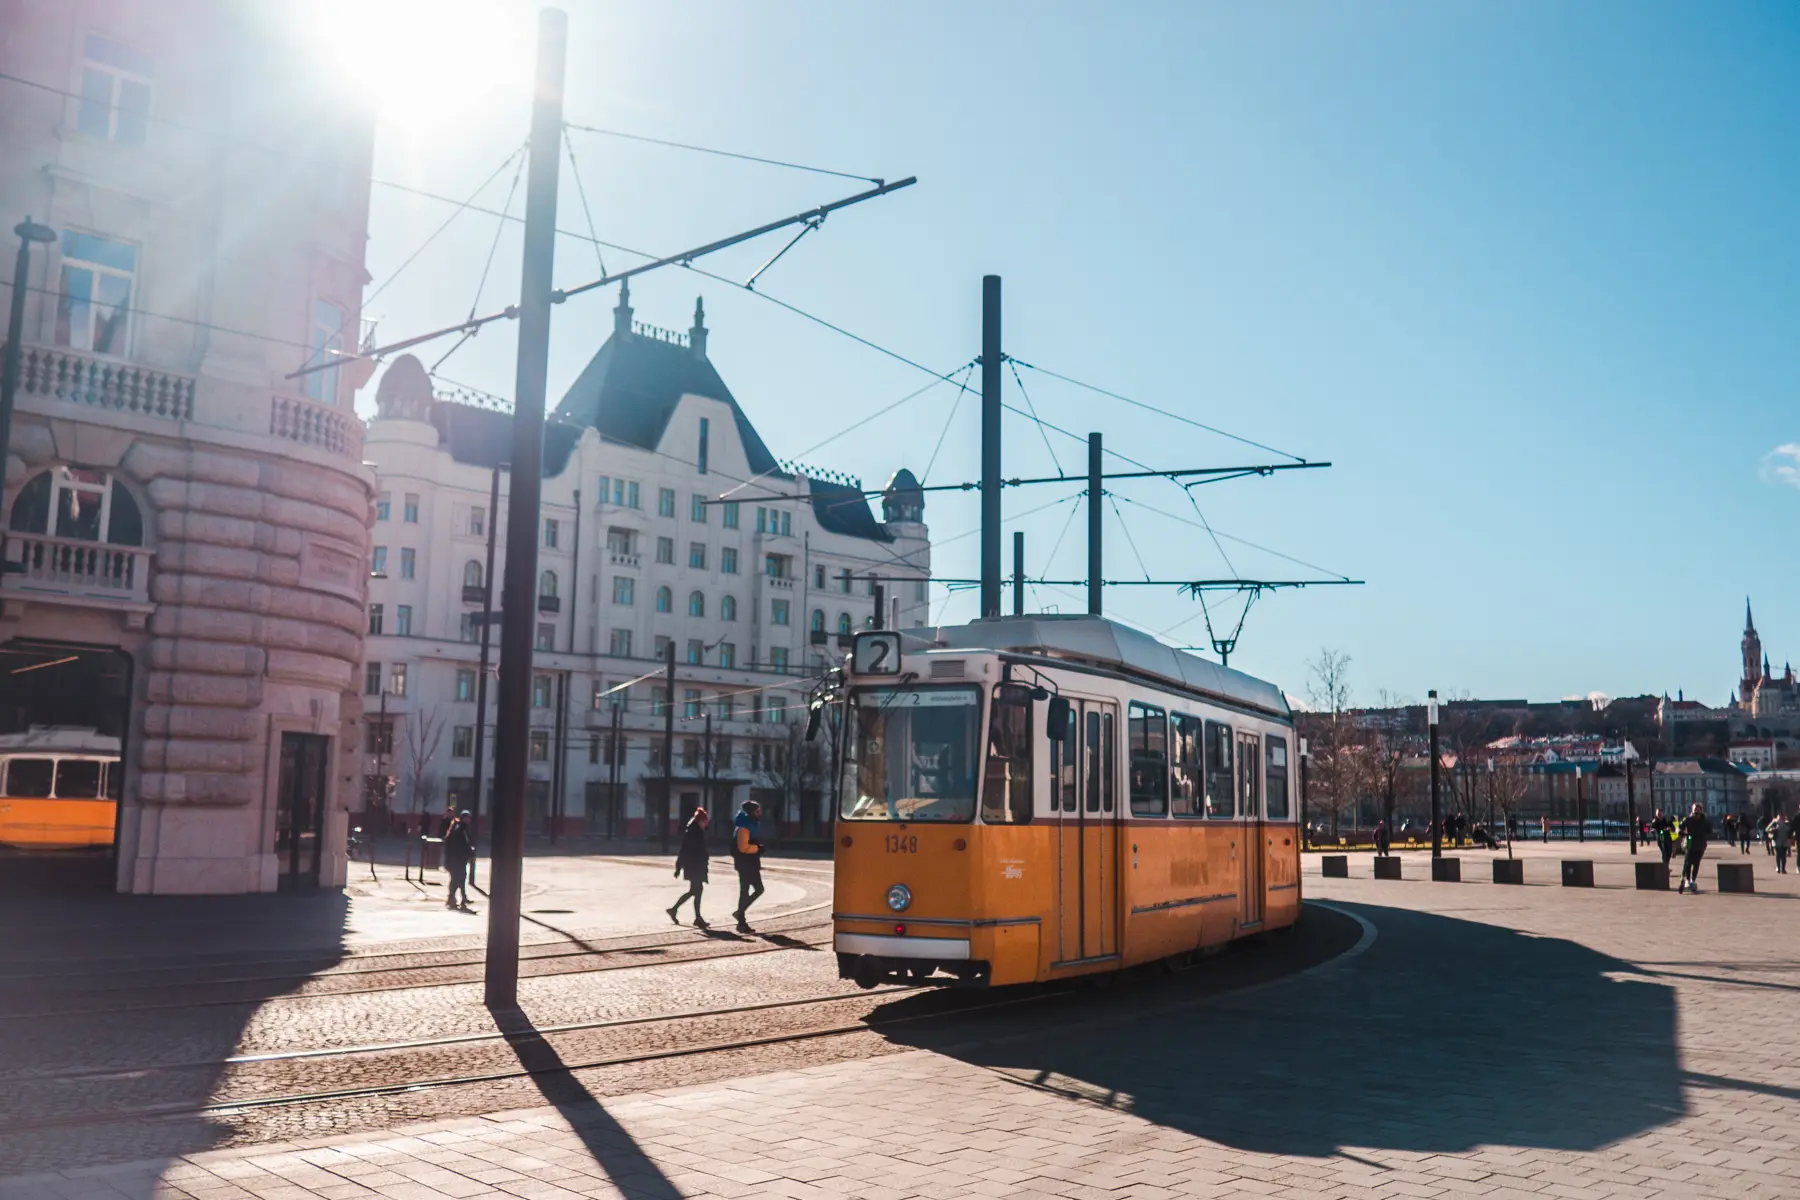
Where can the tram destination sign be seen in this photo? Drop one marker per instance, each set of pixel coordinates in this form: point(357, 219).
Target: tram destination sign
point(876, 653)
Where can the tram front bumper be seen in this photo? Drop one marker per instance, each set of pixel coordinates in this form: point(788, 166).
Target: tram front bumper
point(872, 959)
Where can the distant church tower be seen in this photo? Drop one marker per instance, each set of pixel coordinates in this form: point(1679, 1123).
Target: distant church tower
point(1754, 671)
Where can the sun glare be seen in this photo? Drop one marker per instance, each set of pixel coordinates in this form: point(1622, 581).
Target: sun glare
point(426, 63)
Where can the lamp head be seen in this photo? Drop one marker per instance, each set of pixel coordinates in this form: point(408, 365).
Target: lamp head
point(31, 231)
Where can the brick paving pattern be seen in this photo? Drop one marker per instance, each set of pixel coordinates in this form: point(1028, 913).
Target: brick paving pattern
point(1492, 1041)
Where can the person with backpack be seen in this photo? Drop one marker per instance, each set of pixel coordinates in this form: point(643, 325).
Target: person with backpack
point(1696, 831)
point(459, 856)
point(690, 863)
point(746, 855)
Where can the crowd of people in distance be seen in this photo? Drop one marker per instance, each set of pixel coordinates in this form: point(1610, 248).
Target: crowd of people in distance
point(1691, 835)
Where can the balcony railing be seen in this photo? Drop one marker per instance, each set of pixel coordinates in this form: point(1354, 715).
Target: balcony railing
point(780, 583)
point(313, 424)
point(76, 569)
point(64, 374)
point(549, 604)
point(474, 593)
point(624, 558)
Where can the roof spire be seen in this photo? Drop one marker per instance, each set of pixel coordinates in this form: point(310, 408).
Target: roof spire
point(622, 314)
point(697, 335)
point(1749, 623)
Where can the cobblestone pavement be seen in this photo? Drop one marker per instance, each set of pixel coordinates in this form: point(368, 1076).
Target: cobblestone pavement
point(1490, 1041)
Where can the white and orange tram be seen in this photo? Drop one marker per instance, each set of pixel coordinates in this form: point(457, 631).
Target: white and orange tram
point(1033, 798)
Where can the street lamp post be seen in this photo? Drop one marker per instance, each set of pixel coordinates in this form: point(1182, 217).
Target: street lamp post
point(1431, 721)
point(1630, 756)
point(1305, 826)
point(29, 231)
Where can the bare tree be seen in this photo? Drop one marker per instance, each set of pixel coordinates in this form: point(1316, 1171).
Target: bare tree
point(791, 765)
point(1339, 767)
point(1511, 783)
point(1328, 688)
point(424, 732)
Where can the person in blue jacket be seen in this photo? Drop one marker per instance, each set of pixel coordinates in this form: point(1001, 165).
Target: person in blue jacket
point(746, 855)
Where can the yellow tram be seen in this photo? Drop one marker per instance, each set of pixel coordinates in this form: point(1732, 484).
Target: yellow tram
point(1034, 798)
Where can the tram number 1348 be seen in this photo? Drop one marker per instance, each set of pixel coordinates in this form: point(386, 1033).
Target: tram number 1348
point(900, 843)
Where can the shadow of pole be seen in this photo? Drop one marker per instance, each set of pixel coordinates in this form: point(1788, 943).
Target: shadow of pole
point(613, 1148)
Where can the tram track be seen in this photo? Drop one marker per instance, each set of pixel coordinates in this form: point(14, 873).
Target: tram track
point(633, 955)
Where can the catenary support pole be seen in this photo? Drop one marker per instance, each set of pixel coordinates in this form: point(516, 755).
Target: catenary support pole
point(1630, 801)
point(1018, 572)
point(487, 626)
point(668, 762)
point(615, 815)
point(1437, 823)
point(1095, 532)
point(991, 359)
point(511, 725)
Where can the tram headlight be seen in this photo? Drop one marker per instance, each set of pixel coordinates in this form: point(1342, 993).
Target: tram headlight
point(899, 896)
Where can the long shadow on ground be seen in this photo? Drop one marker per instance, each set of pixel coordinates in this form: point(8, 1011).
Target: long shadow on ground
point(1447, 1034)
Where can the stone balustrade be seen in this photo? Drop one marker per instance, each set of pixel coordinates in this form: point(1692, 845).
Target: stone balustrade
point(71, 568)
point(317, 425)
point(78, 378)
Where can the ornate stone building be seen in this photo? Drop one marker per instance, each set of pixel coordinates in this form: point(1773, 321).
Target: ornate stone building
point(186, 526)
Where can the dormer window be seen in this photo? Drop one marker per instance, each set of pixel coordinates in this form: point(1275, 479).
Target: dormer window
point(79, 504)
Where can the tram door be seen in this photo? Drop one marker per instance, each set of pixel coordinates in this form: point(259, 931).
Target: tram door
point(1250, 804)
point(1087, 833)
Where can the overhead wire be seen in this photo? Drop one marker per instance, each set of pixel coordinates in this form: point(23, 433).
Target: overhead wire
point(768, 162)
point(962, 389)
point(581, 191)
point(481, 284)
point(1129, 540)
point(1230, 537)
point(1042, 432)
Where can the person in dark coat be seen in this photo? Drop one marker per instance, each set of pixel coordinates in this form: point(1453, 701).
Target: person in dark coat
point(1696, 831)
point(746, 854)
point(690, 864)
point(1382, 840)
point(459, 856)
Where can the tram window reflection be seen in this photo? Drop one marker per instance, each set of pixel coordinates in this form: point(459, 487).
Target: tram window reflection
point(27, 777)
point(1276, 780)
point(1186, 781)
point(1220, 804)
point(1149, 733)
point(78, 779)
point(1006, 791)
point(912, 754)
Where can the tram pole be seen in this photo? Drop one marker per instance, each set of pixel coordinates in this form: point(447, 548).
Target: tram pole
point(668, 762)
point(487, 625)
point(1018, 572)
point(1437, 824)
point(1095, 581)
point(511, 724)
point(991, 359)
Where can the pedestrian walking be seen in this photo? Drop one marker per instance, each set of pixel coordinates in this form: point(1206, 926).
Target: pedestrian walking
point(1696, 831)
point(459, 857)
point(1664, 829)
point(1382, 840)
point(746, 855)
point(1744, 827)
point(1779, 831)
point(690, 864)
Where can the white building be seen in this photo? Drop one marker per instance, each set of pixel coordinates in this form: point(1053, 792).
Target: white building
point(186, 526)
point(665, 521)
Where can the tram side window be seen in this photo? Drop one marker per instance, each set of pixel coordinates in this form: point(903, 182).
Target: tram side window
point(1063, 764)
point(1006, 792)
point(1275, 780)
point(78, 779)
point(1220, 805)
point(1090, 767)
point(1149, 734)
point(1185, 780)
point(30, 777)
point(1108, 749)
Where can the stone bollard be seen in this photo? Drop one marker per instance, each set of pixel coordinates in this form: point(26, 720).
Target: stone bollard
point(1652, 877)
point(1387, 866)
point(1509, 870)
point(1578, 872)
point(1446, 870)
point(1736, 877)
point(1334, 866)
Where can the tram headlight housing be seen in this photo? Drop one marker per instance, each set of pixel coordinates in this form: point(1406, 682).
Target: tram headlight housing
point(899, 897)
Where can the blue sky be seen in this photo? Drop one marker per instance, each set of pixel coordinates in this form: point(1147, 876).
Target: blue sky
point(1528, 274)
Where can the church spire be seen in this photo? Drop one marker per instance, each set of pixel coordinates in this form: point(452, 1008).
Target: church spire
point(697, 335)
point(1749, 621)
point(622, 314)
point(1756, 664)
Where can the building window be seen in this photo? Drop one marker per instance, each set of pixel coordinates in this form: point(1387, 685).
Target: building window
point(696, 604)
point(843, 622)
point(619, 643)
point(375, 620)
point(471, 574)
point(730, 516)
point(663, 647)
point(410, 513)
point(690, 753)
point(546, 636)
point(778, 566)
point(378, 561)
point(778, 658)
point(697, 510)
point(547, 585)
point(844, 581)
point(728, 608)
point(397, 679)
point(665, 600)
point(762, 519)
point(819, 577)
point(462, 742)
point(403, 620)
point(665, 502)
point(921, 591)
point(778, 612)
point(665, 550)
point(382, 505)
point(93, 309)
point(540, 746)
point(659, 701)
point(722, 754)
point(697, 556)
point(116, 85)
point(787, 528)
point(409, 561)
point(696, 652)
point(372, 679)
point(472, 626)
point(691, 703)
point(550, 530)
point(327, 343)
point(818, 621)
point(705, 446)
point(728, 655)
point(478, 521)
point(631, 495)
point(465, 684)
point(624, 589)
point(728, 561)
point(727, 708)
point(540, 691)
point(380, 737)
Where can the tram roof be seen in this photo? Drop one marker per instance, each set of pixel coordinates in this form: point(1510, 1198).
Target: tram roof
point(1098, 640)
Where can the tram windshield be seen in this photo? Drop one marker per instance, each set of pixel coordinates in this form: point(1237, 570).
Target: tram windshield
point(910, 754)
